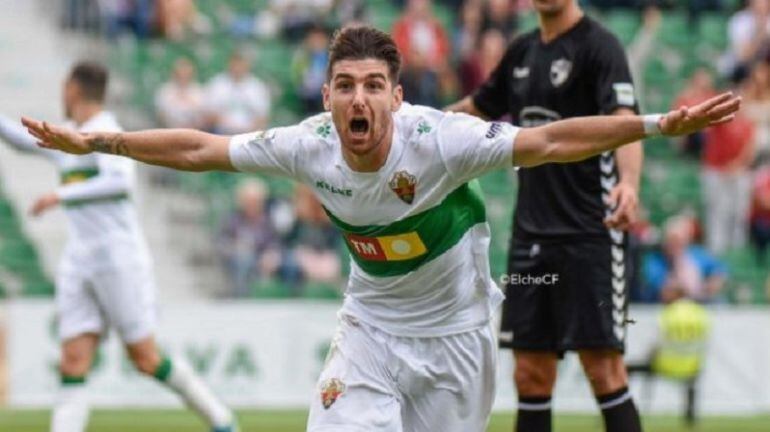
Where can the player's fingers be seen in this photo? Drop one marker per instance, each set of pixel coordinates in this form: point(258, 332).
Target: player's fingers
point(716, 100)
point(725, 119)
point(725, 108)
point(611, 199)
point(30, 123)
point(36, 133)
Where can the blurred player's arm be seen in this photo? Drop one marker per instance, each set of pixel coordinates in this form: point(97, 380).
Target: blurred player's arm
point(181, 149)
point(13, 133)
point(582, 137)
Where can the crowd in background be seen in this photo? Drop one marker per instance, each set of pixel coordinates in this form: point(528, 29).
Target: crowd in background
point(262, 239)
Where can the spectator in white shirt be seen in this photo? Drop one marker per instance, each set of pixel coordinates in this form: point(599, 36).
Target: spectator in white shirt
point(179, 102)
point(236, 100)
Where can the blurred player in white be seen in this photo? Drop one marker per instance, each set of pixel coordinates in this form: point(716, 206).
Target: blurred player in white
point(414, 351)
point(105, 278)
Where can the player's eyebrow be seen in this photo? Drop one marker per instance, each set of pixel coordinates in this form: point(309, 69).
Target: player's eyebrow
point(373, 75)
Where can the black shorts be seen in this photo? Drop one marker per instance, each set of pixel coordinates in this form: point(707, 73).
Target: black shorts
point(565, 296)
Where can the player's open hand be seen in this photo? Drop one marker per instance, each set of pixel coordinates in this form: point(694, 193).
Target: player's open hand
point(56, 137)
point(714, 111)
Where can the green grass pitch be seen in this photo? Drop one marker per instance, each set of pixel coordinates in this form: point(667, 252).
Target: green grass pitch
point(294, 421)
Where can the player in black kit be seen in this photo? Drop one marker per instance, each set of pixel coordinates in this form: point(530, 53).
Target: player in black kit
point(567, 286)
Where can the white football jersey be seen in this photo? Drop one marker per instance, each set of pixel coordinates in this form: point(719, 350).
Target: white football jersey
point(95, 190)
point(416, 229)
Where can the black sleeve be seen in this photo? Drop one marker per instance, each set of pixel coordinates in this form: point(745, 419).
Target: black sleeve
point(614, 85)
point(491, 98)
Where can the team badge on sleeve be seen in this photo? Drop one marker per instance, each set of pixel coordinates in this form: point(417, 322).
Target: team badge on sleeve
point(331, 389)
point(404, 185)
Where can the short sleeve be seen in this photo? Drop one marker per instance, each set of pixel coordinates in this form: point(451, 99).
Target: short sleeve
point(491, 97)
point(272, 151)
point(614, 85)
point(471, 147)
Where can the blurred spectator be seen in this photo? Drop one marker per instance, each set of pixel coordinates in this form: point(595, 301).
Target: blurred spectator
point(760, 213)
point(699, 88)
point(135, 16)
point(80, 15)
point(248, 243)
point(466, 36)
point(756, 107)
point(682, 270)
point(418, 33)
point(349, 11)
point(176, 18)
point(179, 102)
point(501, 15)
point(309, 69)
point(299, 15)
point(312, 243)
point(236, 100)
point(477, 67)
point(421, 84)
point(748, 34)
point(640, 49)
point(726, 183)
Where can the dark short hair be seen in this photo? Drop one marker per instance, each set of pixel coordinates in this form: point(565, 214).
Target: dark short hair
point(363, 42)
point(92, 79)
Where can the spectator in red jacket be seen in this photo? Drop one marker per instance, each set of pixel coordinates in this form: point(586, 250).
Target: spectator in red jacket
point(726, 183)
point(419, 32)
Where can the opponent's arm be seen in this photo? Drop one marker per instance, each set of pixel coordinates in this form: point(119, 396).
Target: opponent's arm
point(466, 105)
point(182, 149)
point(582, 137)
point(624, 196)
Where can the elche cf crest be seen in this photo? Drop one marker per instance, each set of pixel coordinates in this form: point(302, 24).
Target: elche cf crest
point(404, 185)
point(331, 389)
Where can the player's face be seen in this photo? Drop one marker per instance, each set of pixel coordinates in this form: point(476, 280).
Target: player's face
point(550, 7)
point(362, 99)
point(70, 96)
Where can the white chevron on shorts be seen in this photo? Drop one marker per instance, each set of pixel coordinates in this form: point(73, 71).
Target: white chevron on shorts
point(608, 179)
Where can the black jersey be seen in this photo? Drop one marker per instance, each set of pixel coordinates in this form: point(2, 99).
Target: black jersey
point(582, 72)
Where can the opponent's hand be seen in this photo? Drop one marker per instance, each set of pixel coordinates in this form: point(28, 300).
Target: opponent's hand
point(44, 203)
point(56, 137)
point(625, 199)
point(686, 120)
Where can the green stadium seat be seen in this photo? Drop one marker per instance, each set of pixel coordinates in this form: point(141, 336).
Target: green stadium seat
point(321, 291)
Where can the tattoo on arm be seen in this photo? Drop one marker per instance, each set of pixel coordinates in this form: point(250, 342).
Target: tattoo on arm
point(109, 143)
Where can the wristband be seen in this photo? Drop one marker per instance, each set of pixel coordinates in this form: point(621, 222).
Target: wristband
point(651, 124)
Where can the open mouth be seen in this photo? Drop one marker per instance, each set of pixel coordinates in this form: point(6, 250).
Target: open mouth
point(359, 126)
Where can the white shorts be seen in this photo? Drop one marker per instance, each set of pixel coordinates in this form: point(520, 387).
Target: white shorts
point(91, 298)
point(377, 382)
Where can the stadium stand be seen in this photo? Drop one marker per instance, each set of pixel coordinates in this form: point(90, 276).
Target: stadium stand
point(670, 183)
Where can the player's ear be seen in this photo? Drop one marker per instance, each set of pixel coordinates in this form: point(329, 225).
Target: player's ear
point(325, 93)
point(398, 97)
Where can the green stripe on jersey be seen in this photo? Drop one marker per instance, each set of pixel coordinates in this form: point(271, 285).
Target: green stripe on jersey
point(103, 199)
point(78, 175)
point(405, 245)
point(72, 380)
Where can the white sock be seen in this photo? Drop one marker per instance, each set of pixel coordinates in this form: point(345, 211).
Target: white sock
point(70, 414)
point(183, 380)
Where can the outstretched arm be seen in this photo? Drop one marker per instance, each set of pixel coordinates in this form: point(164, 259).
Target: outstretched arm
point(582, 137)
point(182, 149)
